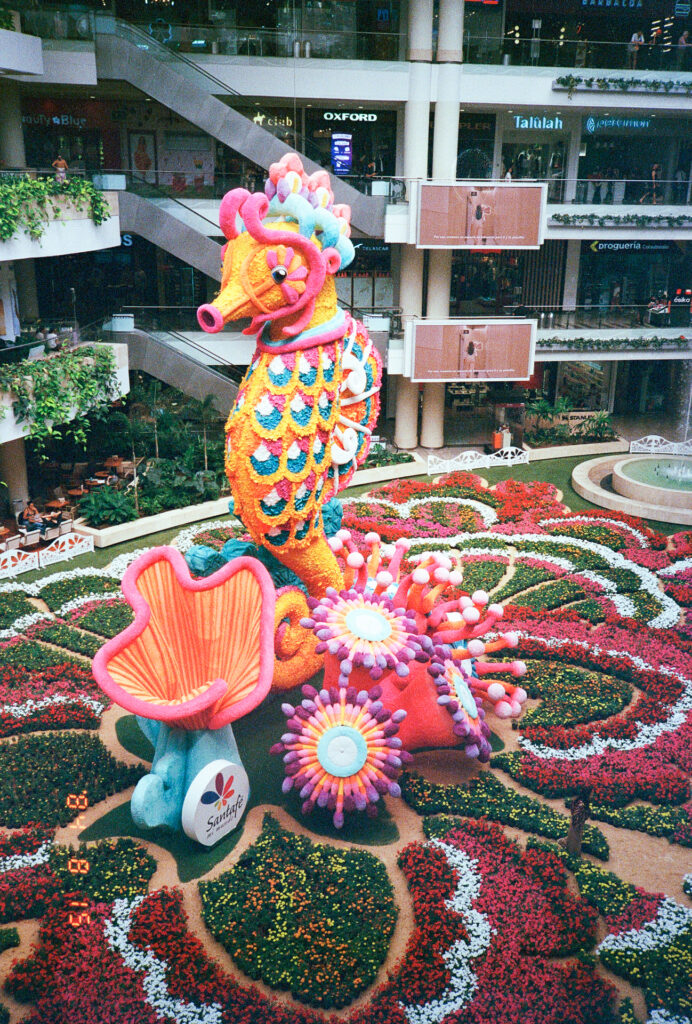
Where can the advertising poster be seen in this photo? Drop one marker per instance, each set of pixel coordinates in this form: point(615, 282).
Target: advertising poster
point(342, 153)
point(187, 161)
point(143, 156)
point(481, 216)
point(473, 350)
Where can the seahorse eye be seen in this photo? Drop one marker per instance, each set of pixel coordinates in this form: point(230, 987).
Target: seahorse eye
point(279, 274)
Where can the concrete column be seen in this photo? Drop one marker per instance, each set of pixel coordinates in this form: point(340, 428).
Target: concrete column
point(417, 122)
point(411, 300)
point(420, 20)
point(27, 294)
point(445, 144)
point(415, 165)
point(450, 34)
point(13, 471)
point(11, 134)
point(572, 168)
point(446, 130)
point(569, 294)
point(439, 287)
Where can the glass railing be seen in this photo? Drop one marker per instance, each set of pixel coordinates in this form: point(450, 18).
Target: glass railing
point(63, 23)
point(59, 23)
point(608, 315)
point(165, 318)
point(575, 53)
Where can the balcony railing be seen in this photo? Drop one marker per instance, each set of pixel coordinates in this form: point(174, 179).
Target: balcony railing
point(605, 316)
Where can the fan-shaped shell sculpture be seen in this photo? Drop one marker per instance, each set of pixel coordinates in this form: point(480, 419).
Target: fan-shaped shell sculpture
point(200, 653)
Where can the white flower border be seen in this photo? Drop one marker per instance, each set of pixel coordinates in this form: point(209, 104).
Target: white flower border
point(670, 610)
point(156, 992)
point(31, 706)
point(666, 1017)
point(27, 860)
point(675, 568)
point(184, 540)
point(671, 921)
point(615, 523)
point(486, 512)
point(463, 983)
point(646, 734)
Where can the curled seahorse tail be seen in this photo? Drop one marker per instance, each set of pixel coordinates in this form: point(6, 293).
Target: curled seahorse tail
point(315, 564)
point(295, 660)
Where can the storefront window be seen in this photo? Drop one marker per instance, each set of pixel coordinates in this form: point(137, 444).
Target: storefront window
point(476, 144)
point(628, 273)
point(367, 137)
point(614, 170)
point(83, 132)
point(486, 283)
point(367, 283)
point(586, 385)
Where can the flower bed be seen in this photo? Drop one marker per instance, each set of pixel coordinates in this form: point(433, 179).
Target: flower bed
point(649, 940)
point(486, 797)
point(56, 697)
point(106, 618)
point(310, 919)
point(42, 776)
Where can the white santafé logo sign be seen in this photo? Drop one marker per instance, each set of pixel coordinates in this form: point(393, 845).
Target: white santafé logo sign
point(215, 801)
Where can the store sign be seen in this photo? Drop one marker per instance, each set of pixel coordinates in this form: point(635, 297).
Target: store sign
point(265, 120)
point(601, 124)
point(215, 802)
point(650, 246)
point(539, 123)
point(481, 216)
point(55, 120)
point(342, 153)
point(615, 6)
point(472, 350)
point(348, 115)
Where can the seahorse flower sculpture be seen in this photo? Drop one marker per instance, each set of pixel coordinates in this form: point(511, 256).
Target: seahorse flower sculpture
point(198, 656)
point(305, 410)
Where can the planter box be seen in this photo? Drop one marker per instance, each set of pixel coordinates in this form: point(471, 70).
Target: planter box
point(566, 451)
point(110, 535)
point(381, 474)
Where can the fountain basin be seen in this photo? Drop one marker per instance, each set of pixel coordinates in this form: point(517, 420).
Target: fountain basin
point(603, 482)
point(655, 480)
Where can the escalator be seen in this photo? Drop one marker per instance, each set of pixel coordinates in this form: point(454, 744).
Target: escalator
point(176, 360)
point(127, 53)
point(174, 227)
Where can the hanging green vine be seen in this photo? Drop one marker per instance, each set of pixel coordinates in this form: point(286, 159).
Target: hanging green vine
point(607, 84)
point(52, 396)
point(628, 344)
point(29, 204)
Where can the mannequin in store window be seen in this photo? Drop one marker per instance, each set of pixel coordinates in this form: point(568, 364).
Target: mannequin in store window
point(61, 168)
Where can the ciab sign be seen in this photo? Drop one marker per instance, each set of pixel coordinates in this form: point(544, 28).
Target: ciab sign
point(215, 802)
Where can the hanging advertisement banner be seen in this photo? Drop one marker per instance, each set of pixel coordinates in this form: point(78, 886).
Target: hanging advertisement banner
point(473, 349)
point(478, 215)
point(342, 153)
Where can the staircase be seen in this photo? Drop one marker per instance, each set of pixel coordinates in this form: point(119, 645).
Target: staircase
point(124, 52)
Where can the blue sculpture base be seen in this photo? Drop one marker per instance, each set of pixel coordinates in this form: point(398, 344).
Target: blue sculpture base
point(179, 755)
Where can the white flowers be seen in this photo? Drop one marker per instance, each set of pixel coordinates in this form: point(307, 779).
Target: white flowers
point(463, 982)
point(117, 931)
point(671, 921)
point(645, 734)
point(186, 538)
point(27, 860)
point(31, 706)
